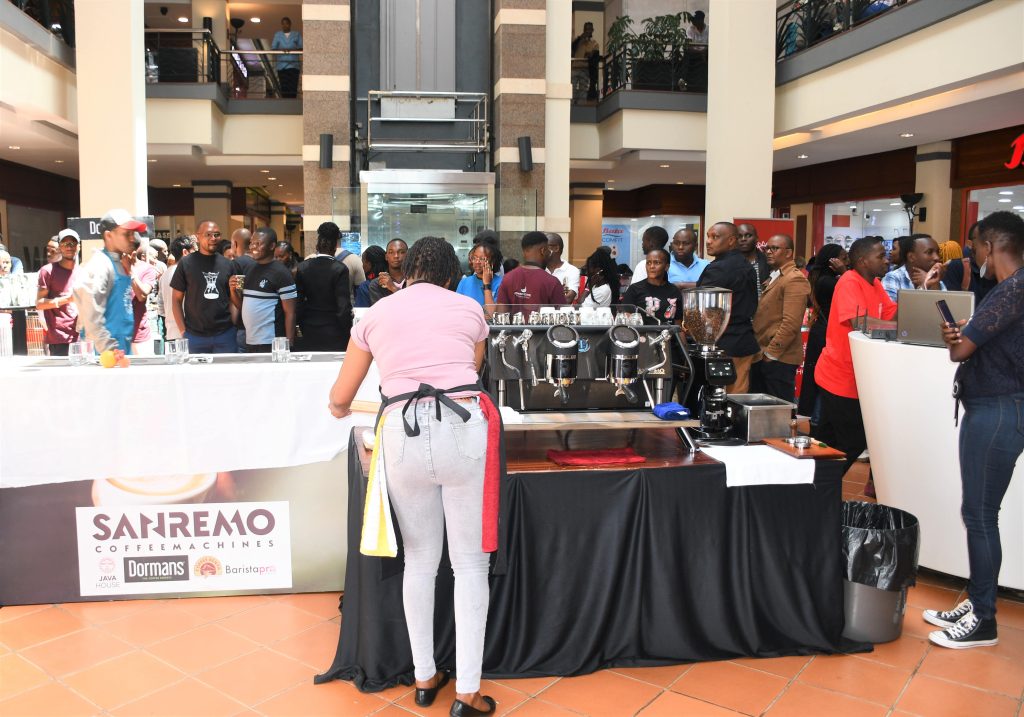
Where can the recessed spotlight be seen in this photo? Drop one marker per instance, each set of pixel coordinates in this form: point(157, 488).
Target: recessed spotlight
point(265, 171)
point(611, 181)
point(664, 166)
point(1005, 201)
point(894, 204)
point(801, 156)
point(653, 216)
point(150, 160)
point(255, 20)
point(680, 182)
point(853, 206)
point(13, 146)
point(1007, 192)
point(906, 135)
point(632, 220)
point(280, 185)
point(58, 161)
point(272, 179)
point(175, 185)
point(1018, 206)
point(182, 19)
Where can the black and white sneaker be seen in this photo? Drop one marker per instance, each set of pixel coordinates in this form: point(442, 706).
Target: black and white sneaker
point(948, 618)
point(970, 631)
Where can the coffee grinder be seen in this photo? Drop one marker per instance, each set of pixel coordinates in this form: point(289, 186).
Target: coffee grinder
point(562, 359)
point(705, 317)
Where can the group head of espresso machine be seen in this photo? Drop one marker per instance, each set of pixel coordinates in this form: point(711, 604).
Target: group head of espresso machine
point(557, 363)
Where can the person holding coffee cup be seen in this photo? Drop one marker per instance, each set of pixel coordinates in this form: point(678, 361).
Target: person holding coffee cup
point(265, 295)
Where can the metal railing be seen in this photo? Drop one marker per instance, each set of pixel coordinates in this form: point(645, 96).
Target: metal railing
point(192, 56)
point(800, 24)
point(57, 16)
point(459, 121)
point(674, 70)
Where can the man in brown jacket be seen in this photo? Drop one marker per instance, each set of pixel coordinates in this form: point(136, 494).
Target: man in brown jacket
point(777, 323)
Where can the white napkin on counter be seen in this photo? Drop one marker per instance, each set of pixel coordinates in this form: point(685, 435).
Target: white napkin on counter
point(761, 465)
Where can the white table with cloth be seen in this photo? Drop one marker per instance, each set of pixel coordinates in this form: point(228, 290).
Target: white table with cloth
point(169, 462)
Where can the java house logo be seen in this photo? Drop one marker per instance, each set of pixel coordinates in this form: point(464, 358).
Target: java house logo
point(1016, 153)
point(207, 567)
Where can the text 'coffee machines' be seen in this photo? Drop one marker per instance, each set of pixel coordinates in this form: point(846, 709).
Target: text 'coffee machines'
point(705, 317)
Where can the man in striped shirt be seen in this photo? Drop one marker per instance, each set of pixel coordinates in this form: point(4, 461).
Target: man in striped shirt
point(266, 296)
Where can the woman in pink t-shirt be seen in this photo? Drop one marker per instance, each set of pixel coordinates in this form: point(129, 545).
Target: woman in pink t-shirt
point(434, 458)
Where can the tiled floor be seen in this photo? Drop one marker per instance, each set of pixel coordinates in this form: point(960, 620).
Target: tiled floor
point(257, 656)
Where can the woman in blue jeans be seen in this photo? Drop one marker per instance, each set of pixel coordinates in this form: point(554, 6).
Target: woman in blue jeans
point(991, 383)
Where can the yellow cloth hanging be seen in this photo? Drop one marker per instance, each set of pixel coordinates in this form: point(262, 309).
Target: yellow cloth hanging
point(378, 537)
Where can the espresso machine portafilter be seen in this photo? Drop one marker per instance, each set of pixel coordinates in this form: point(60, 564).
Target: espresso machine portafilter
point(623, 360)
point(562, 358)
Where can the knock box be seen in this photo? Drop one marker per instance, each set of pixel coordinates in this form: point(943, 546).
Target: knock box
point(756, 416)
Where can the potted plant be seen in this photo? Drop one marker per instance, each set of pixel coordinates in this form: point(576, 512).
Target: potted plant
point(654, 55)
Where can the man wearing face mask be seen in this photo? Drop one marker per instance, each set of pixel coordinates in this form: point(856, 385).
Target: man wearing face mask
point(104, 294)
point(967, 274)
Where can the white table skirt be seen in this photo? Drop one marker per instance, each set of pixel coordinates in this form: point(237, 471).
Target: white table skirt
point(59, 423)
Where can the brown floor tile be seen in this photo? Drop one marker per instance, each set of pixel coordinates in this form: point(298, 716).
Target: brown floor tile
point(979, 668)
point(506, 697)
point(602, 693)
point(660, 676)
point(315, 646)
point(257, 677)
point(162, 622)
point(187, 697)
point(76, 651)
point(270, 622)
point(50, 700)
point(123, 679)
point(933, 697)
point(1011, 644)
point(914, 624)
point(930, 597)
point(673, 704)
point(36, 627)
point(392, 711)
point(211, 609)
point(1010, 614)
point(202, 648)
point(906, 652)
point(18, 675)
point(98, 613)
point(802, 700)
point(730, 685)
point(539, 708)
point(871, 681)
point(333, 699)
point(787, 667)
point(393, 694)
point(323, 605)
point(532, 686)
point(13, 612)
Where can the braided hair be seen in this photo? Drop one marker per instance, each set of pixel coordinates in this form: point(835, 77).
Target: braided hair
point(375, 258)
point(433, 260)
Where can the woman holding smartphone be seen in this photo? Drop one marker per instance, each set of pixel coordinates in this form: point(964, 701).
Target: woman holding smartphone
point(990, 347)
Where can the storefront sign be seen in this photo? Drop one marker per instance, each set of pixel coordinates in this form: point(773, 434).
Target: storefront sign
point(617, 236)
point(187, 547)
point(1017, 153)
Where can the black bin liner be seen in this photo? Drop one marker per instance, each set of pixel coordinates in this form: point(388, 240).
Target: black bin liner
point(880, 545)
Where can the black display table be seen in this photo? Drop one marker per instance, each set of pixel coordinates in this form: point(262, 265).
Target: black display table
point(624, 567)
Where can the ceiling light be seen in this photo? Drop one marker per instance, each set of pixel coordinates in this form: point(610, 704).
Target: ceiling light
point(175, 185)
point(894, 204)
point(265, 171)
point(680, 182)
point(13, 146)
point(255, 20)
point(653, 216)
point(280, 185)
point(906, 135)
point(272, 179)
point(801, 156)
point(611, 181)
point(663, 166)
point(182, 19)
point(58, 161)
point(632, 220)
point(853, 206)
point(1005, 201)
point(151, 160)
point(1006, 192)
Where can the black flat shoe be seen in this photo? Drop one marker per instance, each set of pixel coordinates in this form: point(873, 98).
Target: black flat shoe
point(426, 697)
point(462, 709)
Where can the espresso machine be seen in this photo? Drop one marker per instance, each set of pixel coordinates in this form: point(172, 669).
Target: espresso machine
point(542, 359)
point(705, 317)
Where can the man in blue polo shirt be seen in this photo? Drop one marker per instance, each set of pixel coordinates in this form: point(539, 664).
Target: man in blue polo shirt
point(686, 267)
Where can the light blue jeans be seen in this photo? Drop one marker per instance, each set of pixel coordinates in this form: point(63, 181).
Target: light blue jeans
point(435, 482)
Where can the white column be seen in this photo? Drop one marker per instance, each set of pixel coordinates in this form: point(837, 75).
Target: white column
point(111, 92)
point(741, 109)
point(558, 76)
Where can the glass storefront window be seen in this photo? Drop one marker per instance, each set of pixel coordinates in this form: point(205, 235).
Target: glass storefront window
point(845, 222)
point(982, 202)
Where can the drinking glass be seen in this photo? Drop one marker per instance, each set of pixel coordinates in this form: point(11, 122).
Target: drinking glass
point(171, 352)
point(182, 350)
point(279, 350)
point(76, 354)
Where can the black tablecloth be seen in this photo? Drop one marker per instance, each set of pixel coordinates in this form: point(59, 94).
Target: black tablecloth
point(625, 567)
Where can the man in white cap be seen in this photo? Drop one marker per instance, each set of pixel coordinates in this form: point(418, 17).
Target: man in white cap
point(104, 293)
point(54, 298)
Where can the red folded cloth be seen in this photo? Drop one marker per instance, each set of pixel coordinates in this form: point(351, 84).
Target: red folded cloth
point(608, 456)
point(492, 473)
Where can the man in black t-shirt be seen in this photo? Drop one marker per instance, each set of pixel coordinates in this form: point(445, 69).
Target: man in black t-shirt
point(201, 302)
point(267, 301)
point(659, 300)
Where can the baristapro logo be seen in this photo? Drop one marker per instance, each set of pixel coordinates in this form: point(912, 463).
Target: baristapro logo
point(208, 566)
point(155, 570)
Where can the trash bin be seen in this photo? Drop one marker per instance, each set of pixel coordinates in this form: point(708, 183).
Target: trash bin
point(880, 549)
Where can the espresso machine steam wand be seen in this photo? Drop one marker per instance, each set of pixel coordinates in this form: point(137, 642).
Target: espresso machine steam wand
point(501, 343)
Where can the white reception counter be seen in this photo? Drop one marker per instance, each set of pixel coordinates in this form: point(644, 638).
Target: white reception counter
point(906, 398)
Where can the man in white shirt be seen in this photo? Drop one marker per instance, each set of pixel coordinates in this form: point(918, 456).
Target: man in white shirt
point(565, 272)
point(653, 238)
point(180, 247)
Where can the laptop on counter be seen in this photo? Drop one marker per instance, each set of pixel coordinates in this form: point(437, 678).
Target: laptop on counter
point(918, 321)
